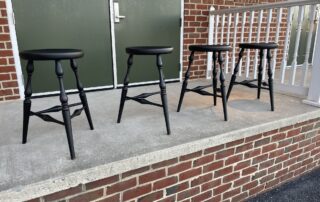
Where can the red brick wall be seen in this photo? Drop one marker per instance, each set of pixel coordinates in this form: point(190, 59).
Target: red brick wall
point(8, 78)
point(230, 172)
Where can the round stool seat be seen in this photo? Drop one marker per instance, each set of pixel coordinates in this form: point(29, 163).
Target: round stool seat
point(209, 48)
point(149, 50)
point(259, 45)
point(51, 54)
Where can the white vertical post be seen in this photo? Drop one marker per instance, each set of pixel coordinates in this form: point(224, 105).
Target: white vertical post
point(216, 28)
point(267, 40)
point(296, 48)
point(244, 16)
point(275, 54)
point(236, 17)
point(308, 48)
point(249, 40)
point(210, 42)
point(222, 28)
point(228, 42)
point(286, 45)
point(314, 88)
point(258, 40)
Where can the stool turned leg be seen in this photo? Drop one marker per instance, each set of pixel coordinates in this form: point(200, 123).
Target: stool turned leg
point(27, 102)
point(235, 72)
point(65, 108)
point(82, 94)
point(125, 88)
point(260, 70)
point(214, 78)
point(185, 82)
point(222, 86)
point(270, 81)
point(163, 92)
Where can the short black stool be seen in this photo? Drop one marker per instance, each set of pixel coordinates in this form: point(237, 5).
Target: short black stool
point(147, 50)
point(262, 47)
point(55, 55)
point(217, 51)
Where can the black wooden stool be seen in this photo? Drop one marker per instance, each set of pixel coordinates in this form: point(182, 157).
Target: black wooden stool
point(147, 50)
point(217, 51)
point(55, 55)
point(262, 47)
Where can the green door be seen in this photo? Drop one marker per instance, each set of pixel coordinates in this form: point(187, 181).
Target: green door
point(148, 22)
point(82, 24)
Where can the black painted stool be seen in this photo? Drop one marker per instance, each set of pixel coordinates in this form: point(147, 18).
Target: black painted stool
point(217, 51)
point(147, 50)
point(262, 47)
point(55, 55)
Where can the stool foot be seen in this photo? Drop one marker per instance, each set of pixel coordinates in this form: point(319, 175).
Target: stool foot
point(84, 102)
point(235, 72)
point(185, 82)
point(68, 127)
point(214, 78)
point(270, 81)
point(125, 87)
point(122, 101)
point(27, 102)
point(164, 99)
point(260, 71)
point(222, 86)
point(82, 94)
point(26, 117)
point(65, 109)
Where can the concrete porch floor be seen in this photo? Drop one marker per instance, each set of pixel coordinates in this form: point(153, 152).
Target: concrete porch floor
point(142, 131)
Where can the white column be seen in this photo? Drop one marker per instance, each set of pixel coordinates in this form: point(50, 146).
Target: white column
point(210, 42)
point(314, 88)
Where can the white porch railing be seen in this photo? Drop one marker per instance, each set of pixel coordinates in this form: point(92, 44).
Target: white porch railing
point(272, 23)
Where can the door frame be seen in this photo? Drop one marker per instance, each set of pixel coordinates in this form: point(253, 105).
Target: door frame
point(18, 67)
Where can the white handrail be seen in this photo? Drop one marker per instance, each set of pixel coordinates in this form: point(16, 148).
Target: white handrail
point(289, 3)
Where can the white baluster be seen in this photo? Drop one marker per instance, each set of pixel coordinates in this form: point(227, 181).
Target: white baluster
point(267, 40)
point(314, 88)
point(308, 48)
point(286, 45)
point(228, 42)
point(236, 18)
point(275, 53)
point(217, 28)
point(222, 28)
point(244, 16)
point(296, 48)
point(210, 42)
point(258, 40)
point(249, 41)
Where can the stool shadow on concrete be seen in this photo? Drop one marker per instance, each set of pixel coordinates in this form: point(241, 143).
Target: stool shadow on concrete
point(247, 105)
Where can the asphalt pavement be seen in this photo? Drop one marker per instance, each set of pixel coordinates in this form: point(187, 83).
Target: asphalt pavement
point(304, 189)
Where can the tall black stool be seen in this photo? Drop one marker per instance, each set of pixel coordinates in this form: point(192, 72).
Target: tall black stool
point(55, 55)
point(262, 47)
point(217, 51)
point(147, 50)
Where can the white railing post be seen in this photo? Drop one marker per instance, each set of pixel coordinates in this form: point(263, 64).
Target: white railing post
point(296, 48)
point(210, 42)
point(314, 88)
point(308, 47)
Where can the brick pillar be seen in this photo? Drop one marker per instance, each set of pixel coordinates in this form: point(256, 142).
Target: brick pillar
point(8, 77)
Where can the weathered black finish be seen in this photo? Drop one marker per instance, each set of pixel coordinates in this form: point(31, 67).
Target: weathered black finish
point(262, 47)
point(216, 57)
point(55, 55)
point(147, 50)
